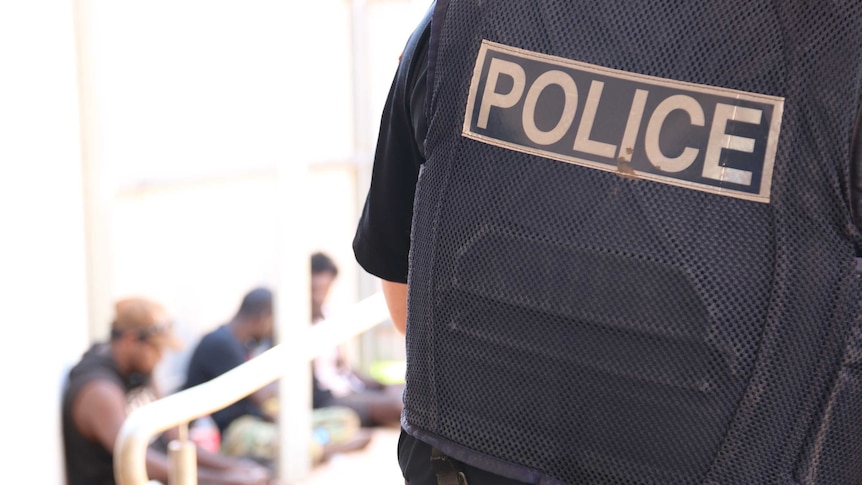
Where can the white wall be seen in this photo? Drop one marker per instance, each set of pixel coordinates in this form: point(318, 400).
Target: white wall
point(192, 108)
point(195, 104)
point(42, 275)
point(173, 90)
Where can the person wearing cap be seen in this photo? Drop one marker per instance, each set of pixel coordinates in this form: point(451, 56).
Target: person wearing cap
point(113, 378)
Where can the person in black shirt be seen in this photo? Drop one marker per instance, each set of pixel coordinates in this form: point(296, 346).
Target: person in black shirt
point(109, 382)
point(230, 345)
point(248, 427)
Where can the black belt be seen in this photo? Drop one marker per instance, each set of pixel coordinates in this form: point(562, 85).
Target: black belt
point(447, 473)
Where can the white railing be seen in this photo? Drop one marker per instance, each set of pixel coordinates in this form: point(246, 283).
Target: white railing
point(177, 410)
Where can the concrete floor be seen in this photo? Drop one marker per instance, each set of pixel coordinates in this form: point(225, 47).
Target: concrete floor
point(377, 464)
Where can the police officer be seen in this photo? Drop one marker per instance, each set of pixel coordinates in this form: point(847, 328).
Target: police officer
point(628, 231)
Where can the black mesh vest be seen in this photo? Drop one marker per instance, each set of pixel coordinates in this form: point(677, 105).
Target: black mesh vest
point(581, 313)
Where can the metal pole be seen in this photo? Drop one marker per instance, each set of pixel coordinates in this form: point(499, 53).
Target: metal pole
point(98, 192)
point(182, 459)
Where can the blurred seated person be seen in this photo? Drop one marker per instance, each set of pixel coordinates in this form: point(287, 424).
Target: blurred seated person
point(114, 378)
point(248, 427)
point(336, 382)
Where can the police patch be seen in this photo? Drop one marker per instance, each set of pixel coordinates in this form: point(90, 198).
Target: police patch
point(700, 137)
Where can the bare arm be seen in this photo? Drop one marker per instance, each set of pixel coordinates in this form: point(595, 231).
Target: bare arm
point(251, 474)
point(99, 412)
point(396, 300)
point(265, 398)
point(264, 393)
point(157, 465)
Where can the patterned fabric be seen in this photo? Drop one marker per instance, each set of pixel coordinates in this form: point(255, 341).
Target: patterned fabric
point(250, 436)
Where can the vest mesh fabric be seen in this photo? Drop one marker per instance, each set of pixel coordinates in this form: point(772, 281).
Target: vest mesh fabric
point(569, 325)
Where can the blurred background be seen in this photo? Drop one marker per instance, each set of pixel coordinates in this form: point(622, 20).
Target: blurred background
point(184, 150)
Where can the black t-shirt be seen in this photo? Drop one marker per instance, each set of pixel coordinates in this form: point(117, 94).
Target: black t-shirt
point(218, 352)
point(382, 241)
point(87, 461)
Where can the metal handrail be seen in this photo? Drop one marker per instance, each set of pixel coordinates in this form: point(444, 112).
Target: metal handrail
point(180, 408)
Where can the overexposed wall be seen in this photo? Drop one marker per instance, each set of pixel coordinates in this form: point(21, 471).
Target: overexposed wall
point(196, 103)
point(195, 109)
point(42, 264)
point(188, 108)
point(199, 247)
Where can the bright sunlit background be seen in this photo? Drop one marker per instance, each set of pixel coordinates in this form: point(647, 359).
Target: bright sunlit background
point(191, 108)
point(157, 148)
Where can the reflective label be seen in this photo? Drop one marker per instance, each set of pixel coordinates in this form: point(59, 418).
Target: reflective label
point(695, 136)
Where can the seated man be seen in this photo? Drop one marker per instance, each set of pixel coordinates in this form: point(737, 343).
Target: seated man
point(247, 427)
point(112, 379)
point(336, 382)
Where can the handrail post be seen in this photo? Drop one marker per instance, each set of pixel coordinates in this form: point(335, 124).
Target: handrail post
point(294, 417)
point(184, 406)
point(182, 459)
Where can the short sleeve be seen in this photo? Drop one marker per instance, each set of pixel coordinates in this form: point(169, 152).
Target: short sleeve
point(382, 241)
